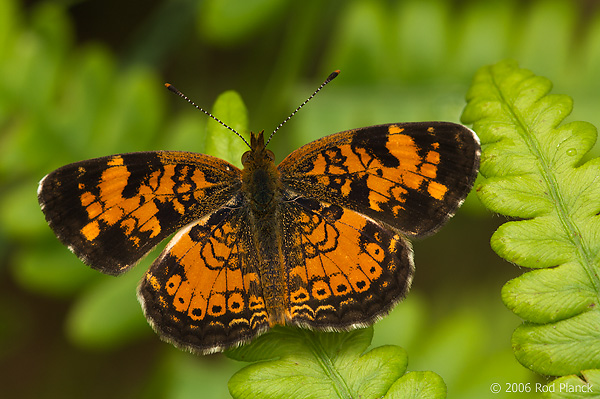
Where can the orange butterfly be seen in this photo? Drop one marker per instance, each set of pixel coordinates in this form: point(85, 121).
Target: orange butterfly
point(318, 241)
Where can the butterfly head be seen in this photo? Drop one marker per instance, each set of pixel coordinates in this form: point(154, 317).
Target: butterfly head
point(258, 154)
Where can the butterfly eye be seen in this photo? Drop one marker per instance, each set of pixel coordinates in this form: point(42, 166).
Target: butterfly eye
point(245, 157)
point(270, 155)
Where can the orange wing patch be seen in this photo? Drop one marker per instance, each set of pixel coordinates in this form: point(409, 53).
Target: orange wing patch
point(206, 284)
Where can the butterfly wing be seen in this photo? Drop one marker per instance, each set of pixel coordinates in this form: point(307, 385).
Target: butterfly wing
point(204, 293)
point(111, 211)
point(344, 269)
point(410, 176)
point(349, 200)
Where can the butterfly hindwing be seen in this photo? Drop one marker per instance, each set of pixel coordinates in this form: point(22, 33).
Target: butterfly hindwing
point(111, 211)
point(343, 269)
point(204, 291)
point(410, 176)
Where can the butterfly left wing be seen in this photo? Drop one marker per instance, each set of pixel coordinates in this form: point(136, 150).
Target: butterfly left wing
point(111, 211)
point(410, 176)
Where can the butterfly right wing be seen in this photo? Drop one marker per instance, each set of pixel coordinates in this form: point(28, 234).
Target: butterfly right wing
point(111, 211)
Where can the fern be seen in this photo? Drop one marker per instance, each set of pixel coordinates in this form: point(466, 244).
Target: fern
point(532, 168)
point(306, 364)
point(573, 387)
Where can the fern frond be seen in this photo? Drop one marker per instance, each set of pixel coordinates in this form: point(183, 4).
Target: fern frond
point(297, 363)
point(532, 169)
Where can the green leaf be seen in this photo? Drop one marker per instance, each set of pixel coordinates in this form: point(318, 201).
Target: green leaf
point(532, 168)
point(574, 387)
point(557, 346)
point(418, 385)
point(220, 141)
point(306, 364)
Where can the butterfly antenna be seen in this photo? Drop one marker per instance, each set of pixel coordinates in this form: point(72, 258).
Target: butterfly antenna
point(331, 76)
point(180, 94)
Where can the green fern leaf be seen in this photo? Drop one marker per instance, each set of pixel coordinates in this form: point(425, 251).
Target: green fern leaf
point(418, 385)
point(300, 363)
point(532, 169)
point(574, 387)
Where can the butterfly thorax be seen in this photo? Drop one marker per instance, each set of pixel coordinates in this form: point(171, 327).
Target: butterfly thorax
point(261, 186)
point(260, 178)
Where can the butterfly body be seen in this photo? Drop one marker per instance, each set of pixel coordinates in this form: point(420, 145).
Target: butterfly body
point(318, 241)
point(262, 190)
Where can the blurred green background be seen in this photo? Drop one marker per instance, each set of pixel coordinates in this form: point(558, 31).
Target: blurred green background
point(85, 79)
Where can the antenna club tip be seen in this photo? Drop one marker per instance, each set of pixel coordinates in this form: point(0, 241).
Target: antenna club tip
point(172, 88)
point(333, 75)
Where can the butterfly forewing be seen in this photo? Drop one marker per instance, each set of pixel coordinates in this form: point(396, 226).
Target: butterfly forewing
point(410, 176)
point(111, 211)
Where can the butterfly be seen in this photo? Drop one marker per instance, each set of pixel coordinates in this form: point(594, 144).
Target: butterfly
point(318, 241)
